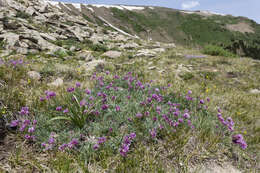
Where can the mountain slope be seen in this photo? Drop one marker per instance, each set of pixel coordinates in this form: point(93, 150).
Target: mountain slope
point(238, 34)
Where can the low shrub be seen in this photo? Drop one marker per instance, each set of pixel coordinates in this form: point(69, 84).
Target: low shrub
point(217, 51)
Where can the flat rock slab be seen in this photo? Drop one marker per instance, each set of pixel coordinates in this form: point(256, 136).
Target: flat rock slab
point(112, 54)
point(195, 56)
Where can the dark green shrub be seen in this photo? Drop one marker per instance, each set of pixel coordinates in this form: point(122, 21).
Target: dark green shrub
point(217, 51)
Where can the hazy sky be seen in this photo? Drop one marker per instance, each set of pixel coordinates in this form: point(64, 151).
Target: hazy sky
point(248, 8)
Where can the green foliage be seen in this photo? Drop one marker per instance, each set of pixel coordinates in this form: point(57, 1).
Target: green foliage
point(187, 76)
point(22, 14)
point(98, 47)
point(217, 51)
point(1, 45)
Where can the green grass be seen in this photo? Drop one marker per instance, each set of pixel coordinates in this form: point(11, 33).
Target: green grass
point(185, 146)
point(216, 51)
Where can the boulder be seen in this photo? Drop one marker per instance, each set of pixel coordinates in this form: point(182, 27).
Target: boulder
point(10, 39)
point(34, 75)
point(112, 54)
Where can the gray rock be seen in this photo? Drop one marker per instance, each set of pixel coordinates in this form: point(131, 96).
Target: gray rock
point(254, 91)
point(86, 55)
point(129, 46)
point(34, 75)
point(112, 54)
point(30, 10)
point(145, 53)
point(10, 39)
point(58, 82)
point(89, 66)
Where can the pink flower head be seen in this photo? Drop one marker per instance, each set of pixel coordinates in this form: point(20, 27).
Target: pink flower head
point(78, 84)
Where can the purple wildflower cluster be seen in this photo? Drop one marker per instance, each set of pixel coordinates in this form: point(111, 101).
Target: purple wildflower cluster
point(72, 144)
point(229, 123)
point(49, 95)
point(25, 126)
point(100, 141)
point(238, 139)
point(128, 139)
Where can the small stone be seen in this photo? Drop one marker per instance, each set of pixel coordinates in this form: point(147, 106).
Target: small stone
point(58, 82)
point(34, 75)
point(112, 54)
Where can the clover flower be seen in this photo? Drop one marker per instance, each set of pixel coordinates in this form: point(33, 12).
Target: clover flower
point(139, 115)
point(50, 94)
point(117, 108)
point(83, 102)
point(96, 146)
point(70, 89)
point(59, 108)
point(63, 147)
point(65, 110)
point(104, 107)
point(153, 133)
point(73, 143)
point(78, 84)
point(31, 129)
point(238, 139)
point(14, 123)
point(102, 140)
point(24, 111)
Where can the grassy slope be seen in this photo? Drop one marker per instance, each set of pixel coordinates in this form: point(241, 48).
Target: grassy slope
point(190, 29)
point(226, 81)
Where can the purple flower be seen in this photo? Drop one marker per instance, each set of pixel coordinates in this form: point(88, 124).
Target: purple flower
point(51, 140)
point(62, 147)
point(186, 115)
point(154, 118)
point(124, 149)
point(104, 107)
point(132, 135)
point(117, 108)
point(202, 101)
point(113, 98)
point(78, 84)
point(27, 136)
point(147, 113)
point(153, 133)
point(129, 119)
point(102, 140)
point(73, 143)
point(139, 115)
point(180, 120)
point(70, 89)
point(31, 129)
point(65, 110)
point(107, 72)
point(50, 94)
point(34, 122)
point(59, 108)
point(96, 146)
point(22, 128)
point(189, 92)
point(24, 111)
point(238, 139)
point(208, 99)
point(43, 144)
point(42, 99)
point(116, 77)
point(83, 102)
point(14, 123)
point(88, 92)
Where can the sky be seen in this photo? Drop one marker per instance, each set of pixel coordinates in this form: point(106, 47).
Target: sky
point(247, 8)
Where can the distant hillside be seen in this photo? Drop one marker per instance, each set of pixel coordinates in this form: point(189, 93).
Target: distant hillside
point(238, 34)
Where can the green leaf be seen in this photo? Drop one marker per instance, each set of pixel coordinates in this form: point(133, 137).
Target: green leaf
point(60, 118)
